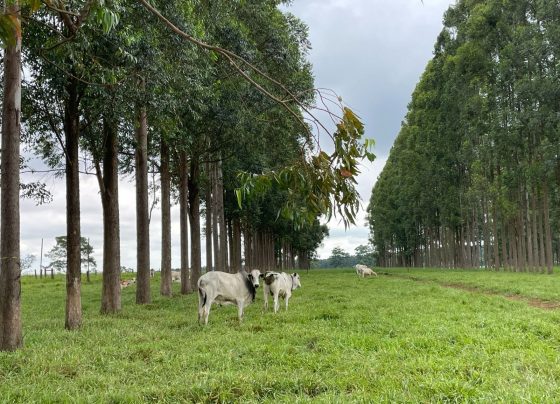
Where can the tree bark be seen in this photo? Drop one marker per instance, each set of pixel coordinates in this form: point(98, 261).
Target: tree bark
point(183, 221)
point(495, 246)
point(215, 220)
point(165, 286)
point(208, 196)
point(547, 230)
point(236, 245)
point(230, 245)
point(10, 270)
point(221, 218)
point(194, 216)
point(142, 210)
point(535, 232)
point(73, 318)
point(111, 291)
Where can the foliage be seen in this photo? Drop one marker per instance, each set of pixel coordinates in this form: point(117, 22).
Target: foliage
point(321, 185)
point(471, 179)
point(27, 261)
point(57, 254)
point(339, 258)
point(344, 339)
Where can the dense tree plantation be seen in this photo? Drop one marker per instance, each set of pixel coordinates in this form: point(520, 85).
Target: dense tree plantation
point(213, 99)
point(473, 177)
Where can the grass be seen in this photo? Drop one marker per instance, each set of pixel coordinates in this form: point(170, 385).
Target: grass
point(344, 339)
point(529, 285)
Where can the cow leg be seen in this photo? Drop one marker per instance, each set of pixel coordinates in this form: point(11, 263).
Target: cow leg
point(240, 310)
point(206, 312)
point(286, 299)
point(266, 291)
point(200, 305)
point(206, 308)
point(276, 302)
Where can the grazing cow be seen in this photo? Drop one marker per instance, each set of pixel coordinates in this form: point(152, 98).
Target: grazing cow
point(176, 276)
point(224, 288)
point(279, 284)
point(127, 283)
point(363, 271)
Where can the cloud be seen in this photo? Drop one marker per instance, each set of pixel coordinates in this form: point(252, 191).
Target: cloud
point(372, 53)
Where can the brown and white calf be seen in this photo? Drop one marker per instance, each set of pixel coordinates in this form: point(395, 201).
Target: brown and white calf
point(238, 289)
point(279, 284)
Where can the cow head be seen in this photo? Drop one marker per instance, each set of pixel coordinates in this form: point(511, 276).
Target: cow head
point(254, 277)
point(295, 281)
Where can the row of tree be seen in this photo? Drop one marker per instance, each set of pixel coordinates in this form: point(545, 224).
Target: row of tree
point(473, 177)
point(120, 88)
point(339, 258)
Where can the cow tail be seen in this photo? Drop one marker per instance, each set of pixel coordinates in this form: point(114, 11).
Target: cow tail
point(202, 295)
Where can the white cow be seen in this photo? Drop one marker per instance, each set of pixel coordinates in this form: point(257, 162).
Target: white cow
point(363, 271)
point(176, 276)
point(223, 288)
point(279, 284)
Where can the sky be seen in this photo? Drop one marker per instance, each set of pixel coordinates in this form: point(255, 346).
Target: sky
point(370, 52)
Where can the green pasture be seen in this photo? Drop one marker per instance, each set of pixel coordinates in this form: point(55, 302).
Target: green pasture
point(344, 339)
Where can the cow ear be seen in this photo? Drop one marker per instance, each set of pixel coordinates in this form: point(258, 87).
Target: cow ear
point(261, 275)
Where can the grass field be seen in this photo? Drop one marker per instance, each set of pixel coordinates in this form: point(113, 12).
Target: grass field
point(344, 339)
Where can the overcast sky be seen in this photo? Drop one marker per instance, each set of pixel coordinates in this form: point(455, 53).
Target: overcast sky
point(371, 52)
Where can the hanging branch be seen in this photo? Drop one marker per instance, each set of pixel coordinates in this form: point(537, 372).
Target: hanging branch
point(238, 63)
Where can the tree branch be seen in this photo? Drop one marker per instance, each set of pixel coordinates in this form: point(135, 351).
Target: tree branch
point(234, 59)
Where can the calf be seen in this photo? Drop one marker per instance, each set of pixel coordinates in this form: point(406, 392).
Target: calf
point(279, 284)
point(363, 271)
point(223, 288)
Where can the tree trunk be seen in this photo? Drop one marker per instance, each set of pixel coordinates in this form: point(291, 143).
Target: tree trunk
point(221, 218)
point(111, 293)
point(73, 318)
point(247, 247)
point(513, 245)
point(495, 247)
point(535, 232)
point(229, 228)
point(236, 260)
point(10, 270)
point(142, 211)
point(183, 221)
point(208, 196)
point(194, 216)
point(541, 231)
point(505, 258)
point(215, 220)
point(547, 230)
point(165, 286)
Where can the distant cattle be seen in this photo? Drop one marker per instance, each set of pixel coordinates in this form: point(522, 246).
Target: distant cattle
point(223, 288)
point(127, 282)
point(279, 285)
point(363, 271)
point(176, 276)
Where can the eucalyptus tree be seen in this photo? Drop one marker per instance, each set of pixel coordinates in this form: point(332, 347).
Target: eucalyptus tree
point(61, 71)
point(480, 122)
point(332, 177)
point(10, 287)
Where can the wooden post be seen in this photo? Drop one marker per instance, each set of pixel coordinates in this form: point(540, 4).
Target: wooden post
point(41, 262)
point(87, 273)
